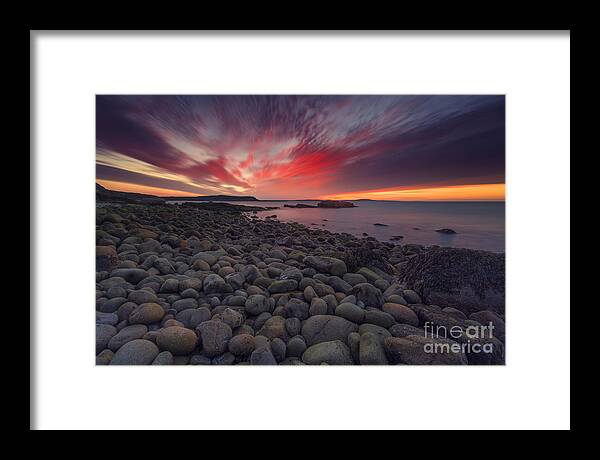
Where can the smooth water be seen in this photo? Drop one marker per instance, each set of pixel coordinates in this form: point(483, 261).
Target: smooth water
point(479, 225)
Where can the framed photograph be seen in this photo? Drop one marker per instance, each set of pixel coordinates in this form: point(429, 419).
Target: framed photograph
point(367, 226)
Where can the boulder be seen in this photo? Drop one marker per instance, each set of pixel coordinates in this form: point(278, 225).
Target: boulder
point(465, 279)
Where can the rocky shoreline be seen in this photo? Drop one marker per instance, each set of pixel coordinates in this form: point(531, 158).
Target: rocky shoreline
point(206, 285)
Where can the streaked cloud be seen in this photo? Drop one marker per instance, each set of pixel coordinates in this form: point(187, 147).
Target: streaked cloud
point(300, 146)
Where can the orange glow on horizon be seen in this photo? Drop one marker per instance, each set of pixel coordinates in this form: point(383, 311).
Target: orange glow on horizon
point(145, 189)
point(477, 192)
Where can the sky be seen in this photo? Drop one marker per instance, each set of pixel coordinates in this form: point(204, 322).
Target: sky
point(303, 147)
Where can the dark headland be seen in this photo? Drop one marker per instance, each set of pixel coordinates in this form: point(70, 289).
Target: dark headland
point(212, 284)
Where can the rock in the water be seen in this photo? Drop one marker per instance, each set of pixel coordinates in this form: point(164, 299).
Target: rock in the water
point(326, 328)
point(177, 340)
point(333, 353)
point(215, 336)
point(446, 231)
point(136, 352)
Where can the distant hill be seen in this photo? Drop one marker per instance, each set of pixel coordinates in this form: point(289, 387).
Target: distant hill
point(211, 198)
point(104, 194)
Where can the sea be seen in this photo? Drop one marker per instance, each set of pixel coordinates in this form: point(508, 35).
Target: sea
point(478, 224)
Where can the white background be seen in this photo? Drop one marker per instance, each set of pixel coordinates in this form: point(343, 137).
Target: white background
point(532, 391)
